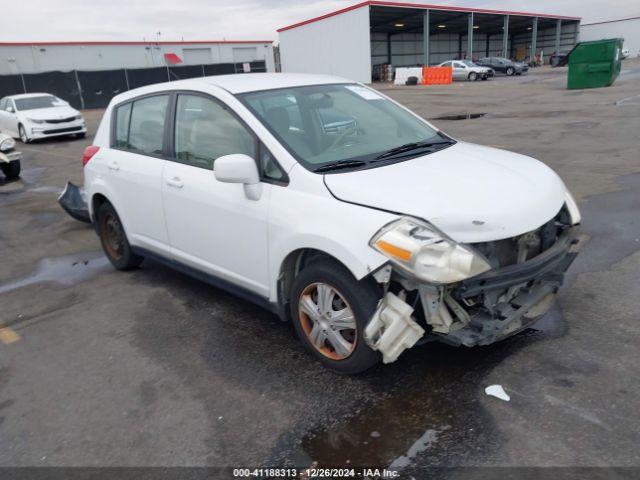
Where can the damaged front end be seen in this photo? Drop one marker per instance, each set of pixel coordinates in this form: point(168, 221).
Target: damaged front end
point(478, 296)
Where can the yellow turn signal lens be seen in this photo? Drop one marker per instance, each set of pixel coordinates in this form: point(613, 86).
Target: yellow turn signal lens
point(397, 252)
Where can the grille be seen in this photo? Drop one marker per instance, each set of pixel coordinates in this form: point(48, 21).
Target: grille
point(62, 130)
point(61, 120)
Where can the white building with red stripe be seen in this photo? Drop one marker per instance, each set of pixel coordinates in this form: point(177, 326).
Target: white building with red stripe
point(36, 57)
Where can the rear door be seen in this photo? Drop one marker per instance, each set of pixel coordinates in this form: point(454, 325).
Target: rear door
point(459, 70)
point(213, 226)
point(133, 168)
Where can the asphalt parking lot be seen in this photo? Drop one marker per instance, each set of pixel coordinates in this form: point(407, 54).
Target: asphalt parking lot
point(153, 368)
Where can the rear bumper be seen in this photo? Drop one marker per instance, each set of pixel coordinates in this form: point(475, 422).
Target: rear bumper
point(73, 201)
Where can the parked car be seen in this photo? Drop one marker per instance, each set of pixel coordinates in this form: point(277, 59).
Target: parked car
point(502, 65)
point(467, 70)
point(32, 116)
point(387, 233)
point(9, 158)
point(559, 59)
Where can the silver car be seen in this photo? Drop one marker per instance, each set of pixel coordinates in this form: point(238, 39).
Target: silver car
point(467, 70)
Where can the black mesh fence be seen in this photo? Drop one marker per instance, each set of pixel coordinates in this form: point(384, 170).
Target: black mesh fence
point(95, 89)
point(60, 84)
point(99, 87)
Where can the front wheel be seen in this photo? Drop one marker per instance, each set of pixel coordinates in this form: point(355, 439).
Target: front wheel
point(114, 239)
point(473, 76)
point(24, 138)
point(510, 71)
point(11, 170)
point(330, 310)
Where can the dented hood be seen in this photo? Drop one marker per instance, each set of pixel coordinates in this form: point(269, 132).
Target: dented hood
point(470, 192)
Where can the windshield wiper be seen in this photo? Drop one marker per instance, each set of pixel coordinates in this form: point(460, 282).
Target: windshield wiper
point(408, 147)
point(340, 164)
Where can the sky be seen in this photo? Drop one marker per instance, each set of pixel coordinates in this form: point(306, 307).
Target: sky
point(113, 20)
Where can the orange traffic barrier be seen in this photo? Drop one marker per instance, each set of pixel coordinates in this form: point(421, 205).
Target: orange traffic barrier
point(437, 75)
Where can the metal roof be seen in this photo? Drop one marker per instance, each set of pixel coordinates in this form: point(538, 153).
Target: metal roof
point(88, 43)
point(422, 6)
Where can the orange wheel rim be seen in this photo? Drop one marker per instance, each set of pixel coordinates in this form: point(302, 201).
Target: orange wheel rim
point(112, 235)
point(328, 321)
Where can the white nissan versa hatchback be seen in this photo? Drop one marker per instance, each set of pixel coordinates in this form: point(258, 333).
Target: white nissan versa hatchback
point(333, 206)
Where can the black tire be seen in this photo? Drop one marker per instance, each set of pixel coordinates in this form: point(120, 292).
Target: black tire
point(114, 239)
point(24, 138)
point(362, 297)
point(473, 76)
point(11, 170)
point(81, 135)
point(510, 71)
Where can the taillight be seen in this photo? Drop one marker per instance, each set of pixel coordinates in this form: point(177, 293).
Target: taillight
point(89, 152)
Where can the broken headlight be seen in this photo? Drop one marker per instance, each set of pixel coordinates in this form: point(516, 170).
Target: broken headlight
point(423, 252)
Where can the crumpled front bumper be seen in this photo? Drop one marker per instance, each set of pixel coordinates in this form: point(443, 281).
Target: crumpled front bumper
point(479, 311)
point(73, 201)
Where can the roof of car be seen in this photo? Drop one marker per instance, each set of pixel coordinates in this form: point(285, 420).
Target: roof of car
point(242, 82)
point(27, 95)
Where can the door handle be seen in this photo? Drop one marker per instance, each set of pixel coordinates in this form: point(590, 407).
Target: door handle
point(175, 182)
point(113, 166)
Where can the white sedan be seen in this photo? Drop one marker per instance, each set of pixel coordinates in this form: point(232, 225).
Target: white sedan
point(32, 116)
point(368, 238)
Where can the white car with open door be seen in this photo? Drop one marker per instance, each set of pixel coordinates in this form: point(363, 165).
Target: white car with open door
point(370, 238)
point(33, 116)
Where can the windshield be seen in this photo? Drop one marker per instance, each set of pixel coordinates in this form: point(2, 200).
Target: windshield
point(468, 63)
point(324, 124)
point(44, 101)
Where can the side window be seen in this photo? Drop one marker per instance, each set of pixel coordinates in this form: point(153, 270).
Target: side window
point(205, 130)
point(123, 117)
point(269, 168)
point(146, 126)
point(446, 64)
point(3, 104)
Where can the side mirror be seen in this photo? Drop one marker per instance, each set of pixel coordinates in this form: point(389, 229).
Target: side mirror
point(239, 168)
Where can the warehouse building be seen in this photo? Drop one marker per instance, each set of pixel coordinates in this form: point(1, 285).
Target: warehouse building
point(32, 57)
point(626, 28)
point(89, 74)
point(351, 41)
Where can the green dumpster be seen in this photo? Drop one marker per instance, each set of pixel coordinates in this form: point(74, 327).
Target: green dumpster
point(594, 64)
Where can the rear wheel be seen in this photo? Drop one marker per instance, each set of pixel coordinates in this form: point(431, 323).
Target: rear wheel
point(114, 239)
point(330, 310)
point(11, 170)
point(24, 138)
point(473, 76)
point(510, 71)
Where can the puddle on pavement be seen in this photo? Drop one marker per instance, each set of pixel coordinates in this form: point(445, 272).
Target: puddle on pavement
point(66, 270)
point(429, 415)
point(463, 116)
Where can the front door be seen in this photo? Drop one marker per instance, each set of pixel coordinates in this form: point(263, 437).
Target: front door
point(212, 225)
